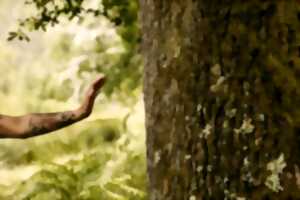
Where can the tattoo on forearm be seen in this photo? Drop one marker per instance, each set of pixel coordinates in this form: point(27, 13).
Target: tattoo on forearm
point(35, 128)
point(51, 122)
point(66, 119)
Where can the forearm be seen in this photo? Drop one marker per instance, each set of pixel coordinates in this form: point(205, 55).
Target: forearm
point(38, 124)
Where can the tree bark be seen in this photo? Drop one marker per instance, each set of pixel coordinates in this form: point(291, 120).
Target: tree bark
point(222, 99)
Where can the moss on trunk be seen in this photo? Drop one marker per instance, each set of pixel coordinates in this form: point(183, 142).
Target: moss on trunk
point(222, 97)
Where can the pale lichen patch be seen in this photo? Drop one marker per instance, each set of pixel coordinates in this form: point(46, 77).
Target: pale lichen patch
point(246, 127)
point(226, 192)
point(226, 180)
point(276, 168)
point(206, 131)
point(199, 107)
point(177, 52)
point(174, 86)
point(248, 177)
point(231, 113)
point(225, 124)
point(192, 197)
point(173, 90)
point(187, 157)
point(246, 85)
point(209, 168)
point(157, 157)
point(199, 168)
point(261, 117)
point(218, 179)
point(218, 85)
point(232, 196)
point(216, 70)
point(169, 147)
point(258, 141)
point(246, 162)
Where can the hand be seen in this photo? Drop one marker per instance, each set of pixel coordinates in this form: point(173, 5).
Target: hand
point(88, 103)
point(96, 86)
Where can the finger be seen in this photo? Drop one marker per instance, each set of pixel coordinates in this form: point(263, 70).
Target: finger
point(99, 82)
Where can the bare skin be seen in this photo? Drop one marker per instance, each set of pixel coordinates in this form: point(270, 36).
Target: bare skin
point(35, 124)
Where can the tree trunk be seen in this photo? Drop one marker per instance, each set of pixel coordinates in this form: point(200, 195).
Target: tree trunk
point(222, 98)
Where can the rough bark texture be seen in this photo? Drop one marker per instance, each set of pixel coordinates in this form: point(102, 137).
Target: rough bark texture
point(222, 97)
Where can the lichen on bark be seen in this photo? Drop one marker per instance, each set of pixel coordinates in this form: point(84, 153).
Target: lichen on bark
point(235, 69)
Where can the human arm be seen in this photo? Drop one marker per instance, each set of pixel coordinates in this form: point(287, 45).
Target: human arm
point(35, 124)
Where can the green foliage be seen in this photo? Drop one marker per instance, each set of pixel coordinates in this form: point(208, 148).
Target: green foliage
point(98, 158)
point(49, 12)
point(125, 74)
point(103, 169)
point(123, 13)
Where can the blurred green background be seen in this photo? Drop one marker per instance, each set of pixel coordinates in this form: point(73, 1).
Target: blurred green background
point(102, 157)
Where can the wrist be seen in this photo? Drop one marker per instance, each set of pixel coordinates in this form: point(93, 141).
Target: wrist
point(80, 113)
point(83, 111)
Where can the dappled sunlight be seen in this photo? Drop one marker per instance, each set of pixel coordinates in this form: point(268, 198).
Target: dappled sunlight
point(11, 176)
point(103, 155)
